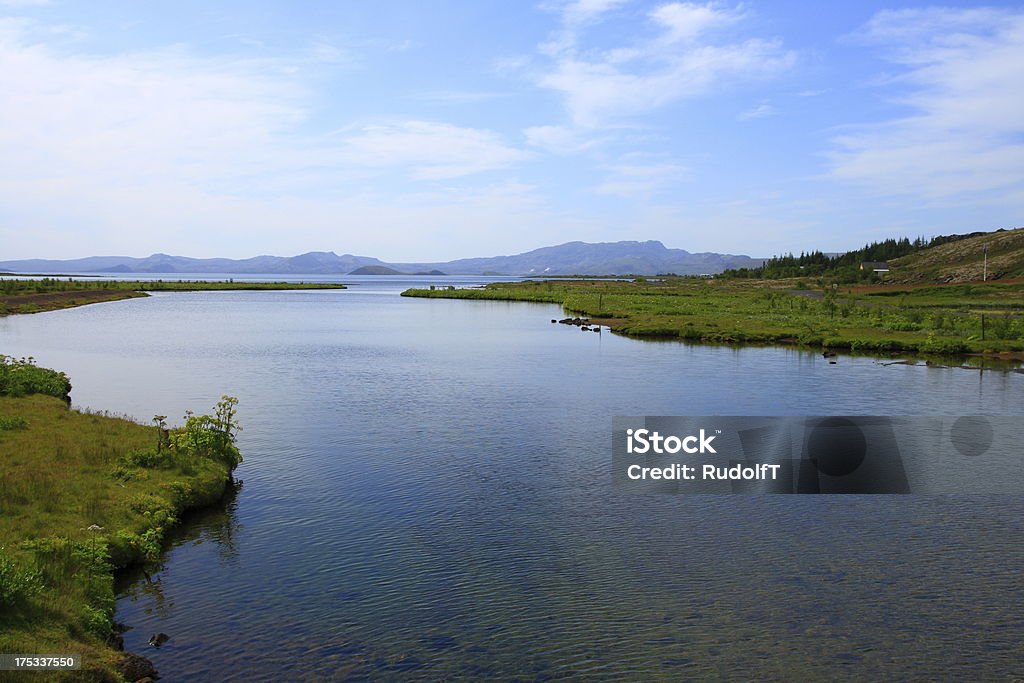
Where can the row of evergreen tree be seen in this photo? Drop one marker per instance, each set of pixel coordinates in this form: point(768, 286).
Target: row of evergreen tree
point(844, 267)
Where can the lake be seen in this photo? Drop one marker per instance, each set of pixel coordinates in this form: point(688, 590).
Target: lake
point(427, 496)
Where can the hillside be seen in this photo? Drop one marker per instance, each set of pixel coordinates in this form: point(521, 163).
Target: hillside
point(962, 259)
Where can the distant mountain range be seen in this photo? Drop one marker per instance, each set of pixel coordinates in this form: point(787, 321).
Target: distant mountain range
point(572, 258)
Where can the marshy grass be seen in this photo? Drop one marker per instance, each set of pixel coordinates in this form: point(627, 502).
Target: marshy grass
point(933, 320)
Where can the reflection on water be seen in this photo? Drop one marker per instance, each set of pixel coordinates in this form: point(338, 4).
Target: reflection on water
point(427, 496)
point(216, 526)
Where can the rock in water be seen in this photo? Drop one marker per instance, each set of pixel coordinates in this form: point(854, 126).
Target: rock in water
point(133, 668)
point(158, 639)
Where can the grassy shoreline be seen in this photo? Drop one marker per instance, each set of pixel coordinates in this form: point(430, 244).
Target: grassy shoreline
point(51, 294)
point(943, 320)
point(83, 495)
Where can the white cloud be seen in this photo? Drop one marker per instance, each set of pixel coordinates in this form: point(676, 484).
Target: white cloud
point(164, 149)
point(637, 180)
point(682, 60)
point(432, 150)
point(759, 112)
point(136, 117)
point(686, 21)
point(329, 53)
point(559, 139)
point(456, 97)
point(960, 78)
point(574, 15)
point(168, 116)
point(581, 11)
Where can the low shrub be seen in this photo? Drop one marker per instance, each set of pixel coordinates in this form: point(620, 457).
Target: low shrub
point(17, 584)
point(11, 423)
point(21, 376)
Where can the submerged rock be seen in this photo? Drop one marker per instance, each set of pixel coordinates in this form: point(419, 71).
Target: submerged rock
point(135, 668)
point(158, 639)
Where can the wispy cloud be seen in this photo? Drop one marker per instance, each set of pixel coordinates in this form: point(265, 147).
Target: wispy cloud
point(456, 97)
point(960, 75)
point(574, 15)
point(685, 57)
point(132, 117)
point(432, 151)
point(577, 12)
point(330, 53)
point(560, 139)
point(641, 180)
point(108, 150)
point(758, 112)
point(686, 22)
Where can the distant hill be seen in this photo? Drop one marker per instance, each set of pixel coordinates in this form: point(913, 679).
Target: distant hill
point(961, 258)
point(314, 262)
point(572, 258)
point(600, 258)
point(376, 270)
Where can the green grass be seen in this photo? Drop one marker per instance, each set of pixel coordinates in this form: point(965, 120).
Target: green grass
point(82, 494)
point(764, 312)
point(978, 296)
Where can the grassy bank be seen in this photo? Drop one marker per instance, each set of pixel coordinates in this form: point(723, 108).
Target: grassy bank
point(48, 294)
point(81, 495)
point(925, 320)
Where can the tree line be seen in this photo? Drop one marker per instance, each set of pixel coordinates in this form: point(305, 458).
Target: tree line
point(843, 267)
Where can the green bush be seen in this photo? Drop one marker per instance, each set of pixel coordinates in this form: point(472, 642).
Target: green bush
point(97, 621)
point(9, 424)
point(901, 326)
point(21, 376)
point(1003, 327)
point(211, 436)
point(17, 584)
point(146, 458)
point(944, 346)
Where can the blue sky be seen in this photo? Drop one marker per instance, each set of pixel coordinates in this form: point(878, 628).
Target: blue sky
point(438, 130)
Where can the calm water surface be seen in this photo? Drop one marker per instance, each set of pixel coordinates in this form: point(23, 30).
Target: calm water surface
point(427, 496)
